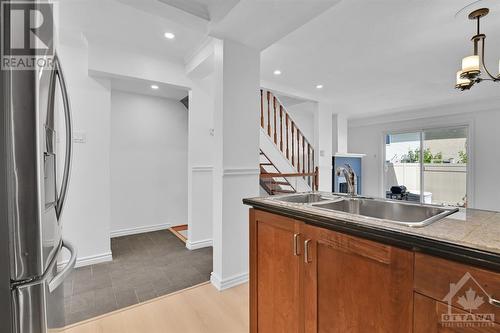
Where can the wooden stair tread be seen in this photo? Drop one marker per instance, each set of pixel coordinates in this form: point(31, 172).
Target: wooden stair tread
point(276, 183)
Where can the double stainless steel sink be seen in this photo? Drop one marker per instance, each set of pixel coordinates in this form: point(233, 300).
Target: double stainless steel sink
point(409, 214)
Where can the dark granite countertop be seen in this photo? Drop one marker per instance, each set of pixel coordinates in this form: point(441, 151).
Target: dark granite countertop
point(470, 236)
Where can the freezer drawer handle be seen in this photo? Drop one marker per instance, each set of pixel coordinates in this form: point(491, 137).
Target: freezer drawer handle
point(61, 276)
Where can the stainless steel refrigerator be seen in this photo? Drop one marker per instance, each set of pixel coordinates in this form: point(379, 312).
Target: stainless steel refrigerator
point(33, 193)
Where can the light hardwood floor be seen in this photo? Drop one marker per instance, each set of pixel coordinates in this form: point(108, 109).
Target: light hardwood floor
point(200, 309)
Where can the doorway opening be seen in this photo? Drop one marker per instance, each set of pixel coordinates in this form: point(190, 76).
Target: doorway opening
point(149, 189)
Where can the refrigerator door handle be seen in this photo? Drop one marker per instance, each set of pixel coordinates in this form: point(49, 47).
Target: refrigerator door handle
point(69, 132)
point(61, 276)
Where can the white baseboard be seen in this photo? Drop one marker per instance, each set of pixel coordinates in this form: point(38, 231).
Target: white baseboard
point(198, 244)
point(139, 230)
point(90, 260)
point(229, 282)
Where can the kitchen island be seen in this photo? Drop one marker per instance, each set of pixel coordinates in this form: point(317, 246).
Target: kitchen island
point(322, 270)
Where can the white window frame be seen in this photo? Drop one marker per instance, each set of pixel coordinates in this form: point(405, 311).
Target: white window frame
point(438, 125)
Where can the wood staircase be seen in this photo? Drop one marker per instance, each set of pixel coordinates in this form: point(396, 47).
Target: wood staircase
point(273, 185)
point(280, 127)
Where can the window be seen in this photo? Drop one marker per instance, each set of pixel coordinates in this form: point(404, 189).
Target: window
point(430, 164)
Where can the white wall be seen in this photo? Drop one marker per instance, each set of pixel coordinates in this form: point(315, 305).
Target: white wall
point(236, 158)
point(145, 66)
point(339, 134)
point(200, 163)
point(366, 136)
point(303, 115)
point(148, 162)
point(323, 123)
point(87, 213)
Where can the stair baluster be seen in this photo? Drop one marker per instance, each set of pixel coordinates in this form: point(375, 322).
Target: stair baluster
point(308, 157)
point(293, 150)
point(268, 113)
point(298, 149)
point(286, 125)
point(275, 132)
point(261, 109)
point(281, 128)
point(303, 155)
point(298, 156)
point(309, 162)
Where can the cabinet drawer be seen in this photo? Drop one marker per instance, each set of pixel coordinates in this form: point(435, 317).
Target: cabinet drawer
point(431, 316)
point(465, 287)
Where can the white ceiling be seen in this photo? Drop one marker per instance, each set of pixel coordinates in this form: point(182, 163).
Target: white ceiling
point(260, 23)
point(384, 56)
point(210, 10)
point(378, 56)
point(118, 23)
point(288, 101)
point(140, 25)
point(255, 23)
point(143, 87)
point(194, 7)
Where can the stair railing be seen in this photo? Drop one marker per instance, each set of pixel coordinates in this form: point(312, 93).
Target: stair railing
point(284, 132)
point(314, 176)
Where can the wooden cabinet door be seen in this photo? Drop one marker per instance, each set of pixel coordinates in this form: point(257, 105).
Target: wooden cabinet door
point(428, 319)
point(274, 274)
point(355, 285)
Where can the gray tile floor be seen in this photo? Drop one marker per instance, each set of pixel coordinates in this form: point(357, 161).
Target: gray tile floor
point(144, 266)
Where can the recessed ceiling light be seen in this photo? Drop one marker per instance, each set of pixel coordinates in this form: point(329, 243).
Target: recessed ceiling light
point(277, 72)
point(154, 87)
point(319, 86)
point(169, 35)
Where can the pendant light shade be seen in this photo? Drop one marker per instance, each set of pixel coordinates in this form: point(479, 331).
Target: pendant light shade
point(474, 69)
point(462, 83)
point(470, 65)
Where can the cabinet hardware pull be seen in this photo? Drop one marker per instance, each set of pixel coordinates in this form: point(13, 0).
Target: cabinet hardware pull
point(306, 251)
point(296, 238)
point(494, 302)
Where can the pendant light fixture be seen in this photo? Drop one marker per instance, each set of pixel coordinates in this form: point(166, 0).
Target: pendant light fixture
point(472, 65)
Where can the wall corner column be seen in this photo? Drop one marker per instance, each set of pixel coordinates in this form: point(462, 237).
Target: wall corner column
point(323, 118)
point(236, 158)
point(200, 70)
